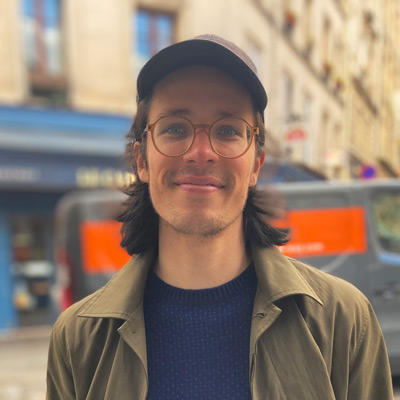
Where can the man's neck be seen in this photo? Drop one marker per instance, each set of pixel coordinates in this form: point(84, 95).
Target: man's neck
point(195, 262)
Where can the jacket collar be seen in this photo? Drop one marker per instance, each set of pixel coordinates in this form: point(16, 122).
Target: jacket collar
point(277, 276)
point(123, 294)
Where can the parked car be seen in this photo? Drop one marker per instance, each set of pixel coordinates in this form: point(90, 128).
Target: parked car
point(352, 230)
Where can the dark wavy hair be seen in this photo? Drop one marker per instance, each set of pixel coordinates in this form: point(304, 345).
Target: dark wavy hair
point(140, 220)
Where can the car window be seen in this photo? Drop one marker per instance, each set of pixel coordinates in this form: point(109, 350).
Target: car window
point(386, 214)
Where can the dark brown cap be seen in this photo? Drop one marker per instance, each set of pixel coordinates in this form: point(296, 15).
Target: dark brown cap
point(207, 50)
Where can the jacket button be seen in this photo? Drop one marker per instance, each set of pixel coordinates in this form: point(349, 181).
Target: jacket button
point(260, 315)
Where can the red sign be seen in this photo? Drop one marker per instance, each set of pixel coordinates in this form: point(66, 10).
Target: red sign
point(295, 135)
point(101, 251)
point(325, 231)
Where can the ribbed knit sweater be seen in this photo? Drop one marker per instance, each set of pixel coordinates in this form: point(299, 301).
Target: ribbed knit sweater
point(198, 340)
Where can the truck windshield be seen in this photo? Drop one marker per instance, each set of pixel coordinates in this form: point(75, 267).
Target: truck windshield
point(386, 213)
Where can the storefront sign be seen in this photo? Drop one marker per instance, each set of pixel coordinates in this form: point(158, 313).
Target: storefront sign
point(51, 171)
point(295, 135)
point(92, 177)
point(19, 174)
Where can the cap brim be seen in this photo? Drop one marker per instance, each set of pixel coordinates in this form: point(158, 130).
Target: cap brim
point(200, 52)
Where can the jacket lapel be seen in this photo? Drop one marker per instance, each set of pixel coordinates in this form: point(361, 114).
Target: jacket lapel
point(288, 363)
point(122, 298)
point(285, 361)
point(277, 279)
point(123, 294)
point(128, 377)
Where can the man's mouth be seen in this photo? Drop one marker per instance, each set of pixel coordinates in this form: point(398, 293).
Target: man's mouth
point(199, 182)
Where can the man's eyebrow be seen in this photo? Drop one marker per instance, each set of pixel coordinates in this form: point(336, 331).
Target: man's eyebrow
point(226, 114)
point(182, 112)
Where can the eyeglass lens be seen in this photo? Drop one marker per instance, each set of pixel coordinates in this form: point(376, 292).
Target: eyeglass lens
point(230, 137)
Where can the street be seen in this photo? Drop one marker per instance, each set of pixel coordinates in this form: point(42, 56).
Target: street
point(23, 358)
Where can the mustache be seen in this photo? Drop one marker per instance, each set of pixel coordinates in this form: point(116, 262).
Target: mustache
point(172, 176)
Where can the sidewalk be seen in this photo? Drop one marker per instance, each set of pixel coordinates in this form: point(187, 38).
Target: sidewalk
point(27, 333)
point(23, 360)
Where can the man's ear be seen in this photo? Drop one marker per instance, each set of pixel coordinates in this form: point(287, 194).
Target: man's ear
point(142, 169)
point(258, 163)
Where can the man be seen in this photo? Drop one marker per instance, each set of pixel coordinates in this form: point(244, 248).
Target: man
point(208, 308)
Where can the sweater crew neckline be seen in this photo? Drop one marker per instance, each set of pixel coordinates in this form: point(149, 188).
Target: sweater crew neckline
point(157, 288)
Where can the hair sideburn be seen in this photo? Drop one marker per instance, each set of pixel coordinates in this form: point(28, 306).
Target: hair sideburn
point(140, 220)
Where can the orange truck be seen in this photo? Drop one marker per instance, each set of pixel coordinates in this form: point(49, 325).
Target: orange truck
point(351, 230)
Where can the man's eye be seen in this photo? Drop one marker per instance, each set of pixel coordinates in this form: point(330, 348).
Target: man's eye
point(174, 129)
point(228, 131)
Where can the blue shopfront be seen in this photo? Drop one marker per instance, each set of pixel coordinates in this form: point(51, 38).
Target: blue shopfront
point(43, 155)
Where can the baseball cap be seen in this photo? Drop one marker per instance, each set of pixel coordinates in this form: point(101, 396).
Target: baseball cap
point(206, 50)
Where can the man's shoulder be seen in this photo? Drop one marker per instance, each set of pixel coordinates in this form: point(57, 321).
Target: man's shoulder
point(69, 318)
point(327, 286)
point(282, 276)
point(341, 300)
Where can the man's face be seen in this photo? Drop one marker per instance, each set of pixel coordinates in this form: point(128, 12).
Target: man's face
point(199, 193)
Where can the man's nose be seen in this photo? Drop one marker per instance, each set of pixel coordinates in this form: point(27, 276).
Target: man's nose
point(201, 149)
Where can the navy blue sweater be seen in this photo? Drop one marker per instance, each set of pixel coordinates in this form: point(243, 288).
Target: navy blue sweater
point(198, 340)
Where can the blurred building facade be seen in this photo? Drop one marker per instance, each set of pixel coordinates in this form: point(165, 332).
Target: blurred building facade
point(372, 83)
point(67, 97)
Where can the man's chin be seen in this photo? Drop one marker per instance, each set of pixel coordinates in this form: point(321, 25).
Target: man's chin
point(203, 224)
point(198, 226)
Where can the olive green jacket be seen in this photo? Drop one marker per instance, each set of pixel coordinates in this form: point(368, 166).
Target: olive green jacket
point(313, 337)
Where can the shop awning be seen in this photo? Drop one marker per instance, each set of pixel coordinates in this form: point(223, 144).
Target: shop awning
point(61, 149)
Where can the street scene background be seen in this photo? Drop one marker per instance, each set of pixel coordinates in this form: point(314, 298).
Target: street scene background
point(68, 71)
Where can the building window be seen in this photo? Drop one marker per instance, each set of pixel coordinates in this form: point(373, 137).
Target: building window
point(43, 51)
point(307, 28)
point(307, 126)
point(31, 267)
point(289, 17)
point(255, 53)
point(326, 47)
point(307, 109)
point(154, 31)
point(288, 94)
point(366, 50)
point(324, 137)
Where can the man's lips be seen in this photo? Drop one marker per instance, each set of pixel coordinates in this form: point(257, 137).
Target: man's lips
point(199, 182)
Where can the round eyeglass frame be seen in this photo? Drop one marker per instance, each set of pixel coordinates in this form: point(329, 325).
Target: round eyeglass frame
point(254, 130)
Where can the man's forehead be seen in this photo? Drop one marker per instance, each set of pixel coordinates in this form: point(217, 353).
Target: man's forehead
point(200, 92)
point(186, 112)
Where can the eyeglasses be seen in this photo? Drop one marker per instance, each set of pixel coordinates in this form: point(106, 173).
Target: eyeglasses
point(173, 136)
